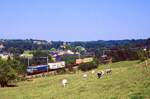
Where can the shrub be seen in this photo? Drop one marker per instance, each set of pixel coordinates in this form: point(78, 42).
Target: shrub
point(61, 71)
point(89, 65)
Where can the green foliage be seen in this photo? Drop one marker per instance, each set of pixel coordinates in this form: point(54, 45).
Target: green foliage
point(90, 65)
point(16, 64)
point(15, 51)
point(53, 49)
point(137, 96)
point(9, 71)
point(69, 59)
point(143, 55)
point(61, 71)
point(68, 47)
point(121, 54)
point(40, 53)
point(80, 49)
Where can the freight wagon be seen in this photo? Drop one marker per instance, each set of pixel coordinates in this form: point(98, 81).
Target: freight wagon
point(84, 60)
point(79, 61)
point(56, 65)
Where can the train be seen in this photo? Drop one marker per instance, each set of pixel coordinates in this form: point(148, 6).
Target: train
point(44, 68)
point(31, 70)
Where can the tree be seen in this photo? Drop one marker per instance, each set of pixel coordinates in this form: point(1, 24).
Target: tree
point(53, 49)
point(69, 60)
point(16, 64)
point(39, 53)
point(40, 57)
point(9, 71)
point(142, 55)
point(89, 65)
point(80, 49)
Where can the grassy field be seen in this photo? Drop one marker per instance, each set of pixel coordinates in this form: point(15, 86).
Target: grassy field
point(129, 80)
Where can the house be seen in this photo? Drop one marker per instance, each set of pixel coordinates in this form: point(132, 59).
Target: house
point(5, 55)
point(57, 55)
point(1, 47)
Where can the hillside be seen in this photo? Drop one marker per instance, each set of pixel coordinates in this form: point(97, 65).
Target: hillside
point(31, 44)
point(129, 80)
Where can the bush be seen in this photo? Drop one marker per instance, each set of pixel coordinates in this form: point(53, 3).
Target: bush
point(61, 71)
point(143, 55)
point(89, 65)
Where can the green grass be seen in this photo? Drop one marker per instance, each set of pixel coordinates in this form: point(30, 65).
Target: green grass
point(129, 80)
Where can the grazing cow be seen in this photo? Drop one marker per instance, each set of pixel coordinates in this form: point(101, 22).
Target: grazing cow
point(93, 71)
point(103, 72)
point(64, 82)
point(108, 71)
point(84, 75)
point(100, 74)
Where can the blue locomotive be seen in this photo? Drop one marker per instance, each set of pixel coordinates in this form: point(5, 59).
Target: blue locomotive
point(37, 69)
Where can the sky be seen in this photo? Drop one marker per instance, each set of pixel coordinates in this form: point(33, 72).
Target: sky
point(74, 20)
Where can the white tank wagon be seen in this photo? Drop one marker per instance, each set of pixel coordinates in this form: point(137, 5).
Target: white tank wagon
point(56, 65)
point(84, 60)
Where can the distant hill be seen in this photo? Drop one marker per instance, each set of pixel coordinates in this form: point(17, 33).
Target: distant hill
point(31, 44)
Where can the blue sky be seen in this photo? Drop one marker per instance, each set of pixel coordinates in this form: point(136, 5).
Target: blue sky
point(75, 20)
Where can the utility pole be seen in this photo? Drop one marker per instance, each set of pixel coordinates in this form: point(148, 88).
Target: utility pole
point(146, 63)
point(79, 56)
point(28, 61)
point(47, 63)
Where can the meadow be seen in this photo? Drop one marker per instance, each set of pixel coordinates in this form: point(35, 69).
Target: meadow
point(128, 80)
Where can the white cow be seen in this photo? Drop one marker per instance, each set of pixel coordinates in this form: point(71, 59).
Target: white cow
point(84, 75)
point(100, 74)
point(93, 71)
point(108, 71)
point(64, 82)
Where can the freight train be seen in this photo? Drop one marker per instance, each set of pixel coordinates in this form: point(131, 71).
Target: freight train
point(31, 70)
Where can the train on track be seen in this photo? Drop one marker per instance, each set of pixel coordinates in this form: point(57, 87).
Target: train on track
point(31, 70)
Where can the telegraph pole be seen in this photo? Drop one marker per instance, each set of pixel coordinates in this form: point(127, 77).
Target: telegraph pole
point(79, 55)
point(146, 63)
point(28, 61)
point(47, 59)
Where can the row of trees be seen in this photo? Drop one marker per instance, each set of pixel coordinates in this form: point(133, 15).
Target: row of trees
point(18, 46)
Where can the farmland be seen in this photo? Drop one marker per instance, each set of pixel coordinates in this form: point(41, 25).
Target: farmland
point(128, 80)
